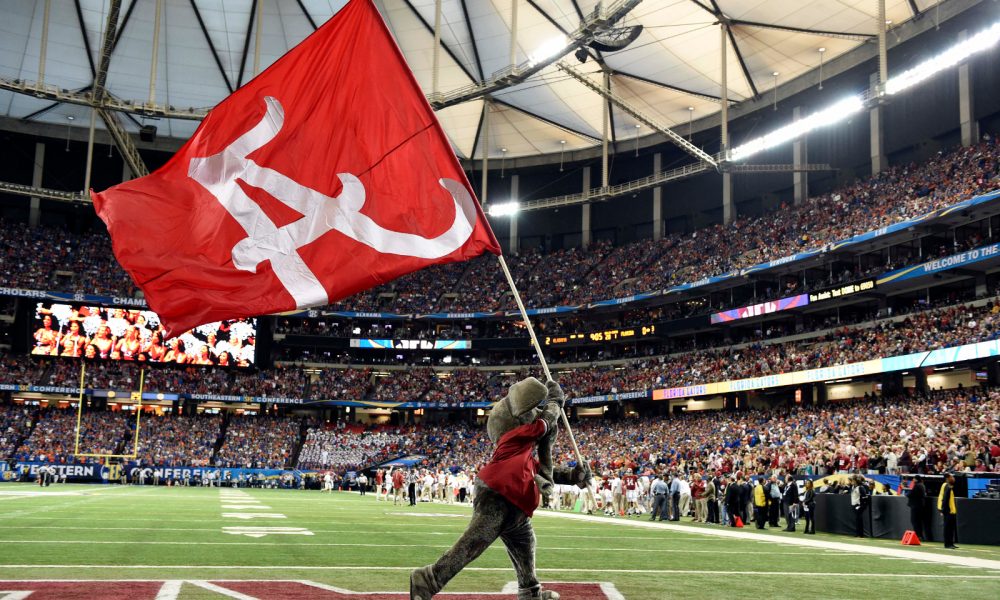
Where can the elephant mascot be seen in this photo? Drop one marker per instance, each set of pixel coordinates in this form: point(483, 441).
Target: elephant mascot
point(508, 489)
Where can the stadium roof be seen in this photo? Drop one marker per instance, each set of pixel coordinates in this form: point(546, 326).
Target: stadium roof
point(671, 72)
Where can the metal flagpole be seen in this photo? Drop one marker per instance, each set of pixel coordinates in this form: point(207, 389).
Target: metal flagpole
point(538, 350)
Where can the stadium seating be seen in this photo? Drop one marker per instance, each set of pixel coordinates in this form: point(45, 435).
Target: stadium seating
point(945, 430)
point(259, 442)
point(34, 258)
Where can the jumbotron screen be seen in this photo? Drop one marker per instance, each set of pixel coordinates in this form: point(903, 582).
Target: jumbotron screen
point(106, 333)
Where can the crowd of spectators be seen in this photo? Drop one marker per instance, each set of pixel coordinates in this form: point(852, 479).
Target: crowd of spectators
point(342, 384)
point(38, 257)
point(944, 430)
point(54, 437)
point(403, 386)
point(459, 385)
point(259, 442)
point(15, 423)
point(18, 368)
point(573, 276)
point(178, 440)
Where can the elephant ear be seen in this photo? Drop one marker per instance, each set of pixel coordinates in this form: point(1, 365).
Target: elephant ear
point(500, 420)
point(526, 395)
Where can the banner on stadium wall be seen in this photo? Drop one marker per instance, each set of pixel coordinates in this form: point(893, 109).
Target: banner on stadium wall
point(781, 261)
point(701, 282)
point(133, 395)
point(942, 264)
point(94, 472)
point(461, 315)
point(625, 300)
point(246, 399)
point(40, 389)
point(608, 398)
point(842, 291)
point(941, 356)
point(388, 344)
point(756, 310)
point(77, 298)
point(552, 310)
point(406, 405)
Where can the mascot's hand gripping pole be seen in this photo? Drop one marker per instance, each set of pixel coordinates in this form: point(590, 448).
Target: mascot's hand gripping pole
point(541, 356)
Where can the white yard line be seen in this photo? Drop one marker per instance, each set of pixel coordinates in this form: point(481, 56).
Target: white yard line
point(356, 545)
point(221, 590)
point(726, 532)
point(170, 590)
point(507, 569)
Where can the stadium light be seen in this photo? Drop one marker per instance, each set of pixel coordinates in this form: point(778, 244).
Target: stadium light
point(828, 116)
point(983, 40)
point(503, 209)
point(548, 49)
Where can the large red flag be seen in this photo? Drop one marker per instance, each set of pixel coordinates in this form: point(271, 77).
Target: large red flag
point(326, 175)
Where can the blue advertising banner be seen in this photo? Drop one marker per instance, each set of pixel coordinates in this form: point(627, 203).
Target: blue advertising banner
point(544, 311)
point(76, 298)
point(625, 300)
point(96, 472)
point(942, 264)
point(608, 398)
point(154, 395)
point(461, 315)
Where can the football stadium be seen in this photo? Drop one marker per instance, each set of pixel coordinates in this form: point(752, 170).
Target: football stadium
point(499, 299)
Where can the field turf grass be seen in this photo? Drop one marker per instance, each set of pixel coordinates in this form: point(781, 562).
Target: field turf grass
point(83, 532)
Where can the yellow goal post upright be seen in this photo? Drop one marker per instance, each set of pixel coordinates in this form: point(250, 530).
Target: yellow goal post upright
point(79, 419)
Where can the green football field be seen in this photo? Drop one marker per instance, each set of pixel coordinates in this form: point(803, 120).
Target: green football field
point(191, 536)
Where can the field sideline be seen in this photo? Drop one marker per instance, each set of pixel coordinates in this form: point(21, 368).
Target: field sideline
point(199, 535)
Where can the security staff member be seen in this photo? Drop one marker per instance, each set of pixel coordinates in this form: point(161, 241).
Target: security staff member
point(946, 504)
point(659, 490)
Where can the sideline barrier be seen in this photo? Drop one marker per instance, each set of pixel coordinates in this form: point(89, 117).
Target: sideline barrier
point(889, 518)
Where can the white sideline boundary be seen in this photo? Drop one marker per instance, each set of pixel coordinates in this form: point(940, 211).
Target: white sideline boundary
point(726, 532)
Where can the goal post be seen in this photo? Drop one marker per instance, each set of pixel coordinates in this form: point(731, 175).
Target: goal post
point(79, 419)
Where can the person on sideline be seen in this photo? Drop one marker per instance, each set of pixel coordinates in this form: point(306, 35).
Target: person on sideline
point(916, 500)
point(946, 504)
point(809, 508)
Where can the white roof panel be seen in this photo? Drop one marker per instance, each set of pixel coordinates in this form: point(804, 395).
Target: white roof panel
point(674, 64)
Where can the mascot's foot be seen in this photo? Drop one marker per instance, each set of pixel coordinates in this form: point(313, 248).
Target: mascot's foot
point(422, 584)
point(536, 593)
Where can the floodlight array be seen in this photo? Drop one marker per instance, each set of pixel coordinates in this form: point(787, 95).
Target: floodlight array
point(843, 109)
point(503, 209)
point(983, 40)
point(828, 116)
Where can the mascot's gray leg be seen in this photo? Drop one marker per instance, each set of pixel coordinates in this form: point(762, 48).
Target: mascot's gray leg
point(520, 542)
point(491, 514)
